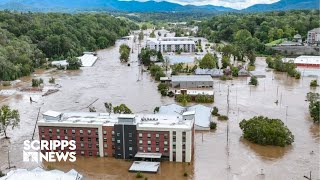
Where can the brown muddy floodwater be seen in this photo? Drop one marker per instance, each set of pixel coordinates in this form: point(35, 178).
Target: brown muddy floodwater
point(111, 81)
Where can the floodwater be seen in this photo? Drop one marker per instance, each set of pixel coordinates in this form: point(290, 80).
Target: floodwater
point(216, 156)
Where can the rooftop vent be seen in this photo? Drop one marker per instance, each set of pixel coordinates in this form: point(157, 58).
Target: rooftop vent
point(91, 121)
point(77, 120)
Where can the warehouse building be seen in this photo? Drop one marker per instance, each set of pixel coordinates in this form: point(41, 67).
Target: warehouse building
point(192, 81)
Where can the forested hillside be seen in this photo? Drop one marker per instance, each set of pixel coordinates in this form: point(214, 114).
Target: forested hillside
point(26, 39)
point(266, 27)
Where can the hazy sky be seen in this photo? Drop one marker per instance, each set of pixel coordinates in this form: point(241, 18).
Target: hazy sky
point(236, 4)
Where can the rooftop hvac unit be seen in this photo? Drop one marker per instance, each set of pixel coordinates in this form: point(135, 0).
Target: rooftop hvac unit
point(77, 120)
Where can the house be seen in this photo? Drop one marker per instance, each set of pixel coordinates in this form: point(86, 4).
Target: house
point(313, 36)
point(243, 73)
point(307, 61)
point(212, 72)
point(297, 38)
point(192, 81)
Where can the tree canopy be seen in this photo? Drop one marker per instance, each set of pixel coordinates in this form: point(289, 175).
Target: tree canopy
point(209, 61)
point(8, 118)
point(265, 131)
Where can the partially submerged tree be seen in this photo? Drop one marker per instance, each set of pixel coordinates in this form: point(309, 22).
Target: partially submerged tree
point(265, 131)
point(124, 53)
point(314, 106)
point(8, 118)
point(108, 107)
point(209, 61)
point(121, 109)
point(253, 81)
point(74, 63)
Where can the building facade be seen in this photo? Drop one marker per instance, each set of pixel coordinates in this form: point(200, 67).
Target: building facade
point(192, 81)
point(313, 36)
point(171, 44)
point(123, 136)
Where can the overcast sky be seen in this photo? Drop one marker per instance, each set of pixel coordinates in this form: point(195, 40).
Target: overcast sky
point(236, 4)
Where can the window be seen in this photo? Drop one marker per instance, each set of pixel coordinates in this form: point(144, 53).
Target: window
point(104, 132)
point(149, 135)
point(113, 139)
point(42, 130)
point(157, 143)
point(140, 134)
point(96, 132)
point(89, 145)
point(105, 154)
point(140, 141)
point(118, 134)
point(43, 137)
point(90, 153)
point(130, 148)
point(166, 136)
point(130, 141)
point(58, 137)
point(165, 142)
point(82, 153)
point(50, 130)
point(73, 131)
point(149, 149)
point(105, 145)
point(58, 131)
point(174, 132)
point(97, 139)
point(89, 132)
point(165, 149)
point(157, 135)
point(157, 149)
point(82, 145)
point(65, 137)
point(149, 142)
point(141, 148)
point(130, 134)
point(97, 153)
point(104, 139)
point(89, 139)
point(73, 138)
point(112, 132)
point(81, 138)
point(174, 146)
point(97, 145)
point(118, 141)
point(81, 131)
point(65, 131)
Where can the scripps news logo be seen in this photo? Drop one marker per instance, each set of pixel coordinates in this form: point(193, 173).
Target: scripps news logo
point(50, 151)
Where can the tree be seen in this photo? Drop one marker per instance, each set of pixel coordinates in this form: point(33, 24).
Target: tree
point(152, 35)
point(265, 131)
point(314, 106)
point(124, 53)
point(159, 56)
point(108, 107)
point(156, 110)
point(166, 64)
point(314, 83)
point(141, 36)
point(163, 89)
point(144, 27)
point(215, 111)
point(208, 62)
point(212, 125)
point(8, 118)
point(74, 63)
point(253, 81)
point(121, 109)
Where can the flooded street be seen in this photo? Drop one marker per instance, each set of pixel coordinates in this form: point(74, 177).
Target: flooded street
point(215, 158)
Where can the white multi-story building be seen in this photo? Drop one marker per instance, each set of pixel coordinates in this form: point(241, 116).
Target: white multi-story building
point(314, 36)
point(171, 44)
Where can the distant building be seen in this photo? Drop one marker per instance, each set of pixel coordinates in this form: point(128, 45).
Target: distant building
point(313, 36)
point(171, 44)
point(290, 43)
point(40, 174)
point(212, 72)
point(308, 61)
point(123, 136)
point(243, 73)
point(192, 81)
point(297, 38)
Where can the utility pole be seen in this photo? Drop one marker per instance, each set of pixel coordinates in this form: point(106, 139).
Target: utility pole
point(35, 125)
point(9, 165)
point(286, 113)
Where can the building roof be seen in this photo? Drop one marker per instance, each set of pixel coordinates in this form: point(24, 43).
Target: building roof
point(60, 63)
point(189, 78)
point(88, 60)
point(304, 60)
point(297, 36)
point(40, 174)
point(144, 166)
point(202, 113)
point(148, 155)
point(94, 119)
point(213, 72)
point(317, 30)
point(290, 43)
point(52, 113)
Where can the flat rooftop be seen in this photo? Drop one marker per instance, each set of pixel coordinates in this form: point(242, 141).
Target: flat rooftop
point(148, 155)
point(88, 60)
point(162, 121)
point(192, 78)
point(144, 166)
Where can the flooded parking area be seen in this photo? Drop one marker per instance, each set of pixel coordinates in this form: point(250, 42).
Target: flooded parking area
point(216, 156)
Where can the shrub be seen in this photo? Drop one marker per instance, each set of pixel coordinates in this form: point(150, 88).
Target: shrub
point(314, 83)
point(122, 109)
point(170, 94)
point(201, 98)
point(2, 174)
point(253, 81)
point(163, 88)
point(183, 98)
point(139, 175)
point(156, 110)
point(213, 125)
point(215, 111)
point(314, 106)
point(37, 82)
point(265, 131)
point(297, 75)
point(52, 80)
point(6, 83)
point(223, 118)
point(251, 68)
point(185, 174)
point(224, 78)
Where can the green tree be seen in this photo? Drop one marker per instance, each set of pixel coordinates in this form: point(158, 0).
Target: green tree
point(215, 111)
point(213, 125)
point(8, 118)
point(74, 63)
point(141, 36)
point(265, 131)
point(144, 27)
point(152, 35)
point(314, 83)
point(121, 109)
point(124, 52)
point(163, 89)
point(314, 106)
point(209, 61)
point(253, 81)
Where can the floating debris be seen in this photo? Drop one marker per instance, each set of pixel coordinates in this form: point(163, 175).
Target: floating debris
point(50, 91)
